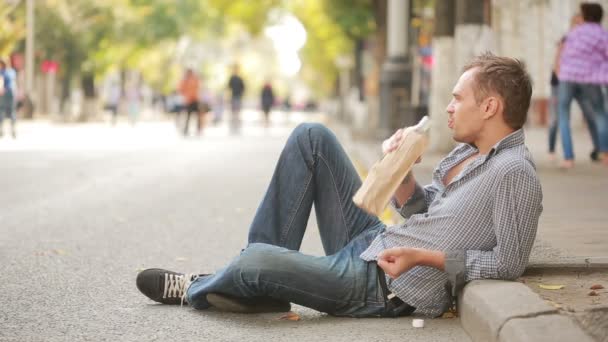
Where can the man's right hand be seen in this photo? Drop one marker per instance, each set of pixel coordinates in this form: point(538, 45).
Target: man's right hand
point(391, 144)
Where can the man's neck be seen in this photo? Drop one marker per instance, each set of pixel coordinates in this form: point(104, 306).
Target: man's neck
point(485, 142)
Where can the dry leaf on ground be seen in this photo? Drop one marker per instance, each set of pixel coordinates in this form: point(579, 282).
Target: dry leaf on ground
point(593, 293)
point(551, 287)
point(290, 316)
point(597, 287)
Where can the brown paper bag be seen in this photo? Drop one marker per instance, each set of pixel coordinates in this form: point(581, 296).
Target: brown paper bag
point(386, 175)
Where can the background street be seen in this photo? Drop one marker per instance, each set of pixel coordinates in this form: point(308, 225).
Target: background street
point(85, 207)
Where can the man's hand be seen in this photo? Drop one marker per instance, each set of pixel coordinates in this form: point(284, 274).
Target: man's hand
point(391, 144)
point(398, 260)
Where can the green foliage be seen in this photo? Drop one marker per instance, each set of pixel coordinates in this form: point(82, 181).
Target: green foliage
point(96, 36)
point(12, 27)
point(354, 17)
point(325, 42)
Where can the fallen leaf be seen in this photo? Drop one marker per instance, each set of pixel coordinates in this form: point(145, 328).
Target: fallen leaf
point(60, 252)
point(448, 314)
point(556, 305)
point(592, 293)
point(139, 269)
point(290, 316)
point(181, 259)
point(551, 287)
point(596, 287)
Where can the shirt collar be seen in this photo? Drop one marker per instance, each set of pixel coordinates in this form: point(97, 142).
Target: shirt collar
point(514, 139)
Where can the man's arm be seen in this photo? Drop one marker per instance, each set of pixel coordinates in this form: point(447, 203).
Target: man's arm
point(409, 198)
point(517, 207)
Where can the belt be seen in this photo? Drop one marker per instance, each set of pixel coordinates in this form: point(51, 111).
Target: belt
point(393, 303)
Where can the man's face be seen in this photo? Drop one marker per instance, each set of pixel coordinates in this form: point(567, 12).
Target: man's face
point(465, 117)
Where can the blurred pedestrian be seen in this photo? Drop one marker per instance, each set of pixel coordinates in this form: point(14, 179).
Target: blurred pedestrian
point(8, 84)
point(114, 95)
point(133, 97)
point(576, 20)
point(585, 48)
point(237, 89)
point(267, 100)
point(189, 89)
point(218, 107)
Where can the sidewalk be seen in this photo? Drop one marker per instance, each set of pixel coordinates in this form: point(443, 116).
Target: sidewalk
point(571, 248)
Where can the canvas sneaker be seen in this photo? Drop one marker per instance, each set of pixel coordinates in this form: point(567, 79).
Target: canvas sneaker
point(164, 286)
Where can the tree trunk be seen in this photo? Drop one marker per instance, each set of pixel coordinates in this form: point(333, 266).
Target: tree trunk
point(89, 104)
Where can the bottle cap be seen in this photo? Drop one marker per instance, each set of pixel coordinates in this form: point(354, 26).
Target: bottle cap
point(423, 125)
point(418, 323)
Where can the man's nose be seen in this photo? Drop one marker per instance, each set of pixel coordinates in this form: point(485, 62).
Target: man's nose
point(449, 108)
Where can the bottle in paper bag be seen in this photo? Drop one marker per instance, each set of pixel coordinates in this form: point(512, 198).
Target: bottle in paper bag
point(385, 176)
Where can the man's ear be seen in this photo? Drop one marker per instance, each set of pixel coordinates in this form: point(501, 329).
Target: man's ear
point(491, 106)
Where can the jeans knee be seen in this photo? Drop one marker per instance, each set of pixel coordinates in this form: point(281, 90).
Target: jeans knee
point(312, 130)
point(257, 255)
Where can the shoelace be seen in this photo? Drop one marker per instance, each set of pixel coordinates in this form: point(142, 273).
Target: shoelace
point(177, 284)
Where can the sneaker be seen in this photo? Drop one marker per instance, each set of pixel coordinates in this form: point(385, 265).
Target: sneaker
point(164, 286)
point(228, 303)
point(595, 156)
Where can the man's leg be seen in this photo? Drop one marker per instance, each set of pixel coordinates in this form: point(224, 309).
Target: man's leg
point(565, 93)
point(313, 168)
point(187, 123)
point(340, 284)
point(589, 99)
point(553, 121)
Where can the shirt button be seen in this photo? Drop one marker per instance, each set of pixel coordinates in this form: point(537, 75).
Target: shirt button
point(444, 195)
point(426, 215)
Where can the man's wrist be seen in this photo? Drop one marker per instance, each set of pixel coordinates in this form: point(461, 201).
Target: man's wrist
point(431, 258)
point(407, 179)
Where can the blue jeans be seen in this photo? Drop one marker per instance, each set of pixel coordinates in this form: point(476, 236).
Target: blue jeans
point(7, 108)
point(312, 169)
point(589, 98)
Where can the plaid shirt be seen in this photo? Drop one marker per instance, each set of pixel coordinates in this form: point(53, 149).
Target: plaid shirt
point(490, 210)
point(584, 58)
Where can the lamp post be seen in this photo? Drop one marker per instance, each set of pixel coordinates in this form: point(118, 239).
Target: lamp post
point(396, 76)
point(29, 48)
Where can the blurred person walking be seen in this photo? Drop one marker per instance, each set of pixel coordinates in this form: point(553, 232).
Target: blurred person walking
point(8, 84)
point(585, 48)
point(237, 89)
point(133, 97)
point(114, 96)
point(218, 107)
point(189, 88)
point(267, 100)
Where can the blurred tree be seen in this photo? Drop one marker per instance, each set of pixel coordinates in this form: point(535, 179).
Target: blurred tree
point(252, 14)
point(12, 27)
point(354, 17)
point(325, 42)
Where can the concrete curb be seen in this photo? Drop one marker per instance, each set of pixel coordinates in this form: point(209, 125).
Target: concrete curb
point(495, 310)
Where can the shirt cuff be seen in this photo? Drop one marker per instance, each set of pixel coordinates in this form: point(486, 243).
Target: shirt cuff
point(414, 205)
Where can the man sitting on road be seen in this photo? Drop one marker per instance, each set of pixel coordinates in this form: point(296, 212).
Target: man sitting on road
point(476, 220)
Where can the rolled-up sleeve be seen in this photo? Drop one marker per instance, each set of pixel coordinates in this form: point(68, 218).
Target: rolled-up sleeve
point(516, 210)
point(418, 203)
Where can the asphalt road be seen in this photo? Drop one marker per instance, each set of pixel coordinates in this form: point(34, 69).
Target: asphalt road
point(85, 207)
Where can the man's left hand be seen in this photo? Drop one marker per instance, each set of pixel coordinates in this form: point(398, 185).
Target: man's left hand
point(398, 260)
